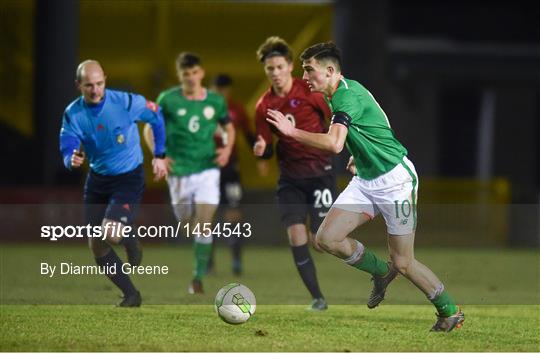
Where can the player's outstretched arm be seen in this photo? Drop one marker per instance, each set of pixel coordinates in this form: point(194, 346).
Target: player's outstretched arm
point(160, 166)
point(70, 144)
point(333, 141)
point(223, 153)
point(231, 135)
point(260, 146)
point(150, 113)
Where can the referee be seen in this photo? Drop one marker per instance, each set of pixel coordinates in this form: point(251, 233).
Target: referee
point(104, 122)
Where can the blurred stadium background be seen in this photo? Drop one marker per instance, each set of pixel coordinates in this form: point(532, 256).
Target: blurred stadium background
point(459, 80)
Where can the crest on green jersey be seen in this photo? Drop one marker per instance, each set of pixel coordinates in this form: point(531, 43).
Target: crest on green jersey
point(209, 112)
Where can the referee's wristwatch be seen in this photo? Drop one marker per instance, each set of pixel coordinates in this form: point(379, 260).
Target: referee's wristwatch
point(160, 156)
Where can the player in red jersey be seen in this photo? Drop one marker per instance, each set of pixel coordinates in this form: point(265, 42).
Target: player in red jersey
point(230, 186)
point(306, 184)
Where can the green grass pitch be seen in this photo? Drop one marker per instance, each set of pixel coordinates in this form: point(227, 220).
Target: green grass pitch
point(498, 289)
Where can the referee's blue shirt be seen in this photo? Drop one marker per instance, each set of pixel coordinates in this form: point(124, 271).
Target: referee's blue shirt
point(108, 131)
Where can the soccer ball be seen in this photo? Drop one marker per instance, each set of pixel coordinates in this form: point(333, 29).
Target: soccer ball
point(235, 303)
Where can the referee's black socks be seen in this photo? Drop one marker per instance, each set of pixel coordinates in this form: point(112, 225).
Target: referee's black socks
point(129, 242)
point(111, 262)
point(306, 268)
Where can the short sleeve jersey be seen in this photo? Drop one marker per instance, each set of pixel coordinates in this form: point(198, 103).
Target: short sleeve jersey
point(370, 138)
point(307, 111)
point(190, 126)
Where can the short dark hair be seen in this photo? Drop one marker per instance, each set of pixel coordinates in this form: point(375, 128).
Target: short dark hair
point(323, 51)
point(274, 47)
point(186, 60)
point(223, 80)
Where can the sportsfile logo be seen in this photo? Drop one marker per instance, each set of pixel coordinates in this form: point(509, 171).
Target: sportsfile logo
point(55, 232)
point(117, 230)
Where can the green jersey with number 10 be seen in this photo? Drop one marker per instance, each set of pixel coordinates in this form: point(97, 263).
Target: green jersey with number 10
point(190, 127)
point(370, 139)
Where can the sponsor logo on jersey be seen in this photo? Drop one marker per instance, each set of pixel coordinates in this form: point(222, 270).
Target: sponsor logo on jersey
point(181, 111)
point(100, 127)
point(295, 102)
point(152, 106)
point(209, 112)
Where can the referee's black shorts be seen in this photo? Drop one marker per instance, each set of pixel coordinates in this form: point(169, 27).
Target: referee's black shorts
point(298, 198)
point(113, 197)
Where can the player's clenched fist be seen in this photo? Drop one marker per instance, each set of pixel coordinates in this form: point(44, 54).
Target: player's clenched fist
point(77, 159)
point(260, 146)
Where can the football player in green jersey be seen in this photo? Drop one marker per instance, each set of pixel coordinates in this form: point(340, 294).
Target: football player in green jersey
point(385, 182)
point(192, 114)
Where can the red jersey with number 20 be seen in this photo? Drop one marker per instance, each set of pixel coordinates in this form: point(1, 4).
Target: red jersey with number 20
point(308, 111)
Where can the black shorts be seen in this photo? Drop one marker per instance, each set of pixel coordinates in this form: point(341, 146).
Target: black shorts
point(299, 197)
point(113, 197)
point(229, 186)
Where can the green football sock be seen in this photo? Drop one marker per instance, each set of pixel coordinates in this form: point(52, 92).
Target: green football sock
point(202, 256)
point(372, 264)
point(444, 304)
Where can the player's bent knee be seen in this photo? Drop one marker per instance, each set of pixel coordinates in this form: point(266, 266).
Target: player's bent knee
point(330, 234)
point(325, 240)
point(112, 231)
point(401, 263)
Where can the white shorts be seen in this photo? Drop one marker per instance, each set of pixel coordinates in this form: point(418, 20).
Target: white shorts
point(393, 194)
point(197, 188)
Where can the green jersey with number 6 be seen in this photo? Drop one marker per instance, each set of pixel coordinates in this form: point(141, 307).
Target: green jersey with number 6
point(190, 125)
point(370, 139)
